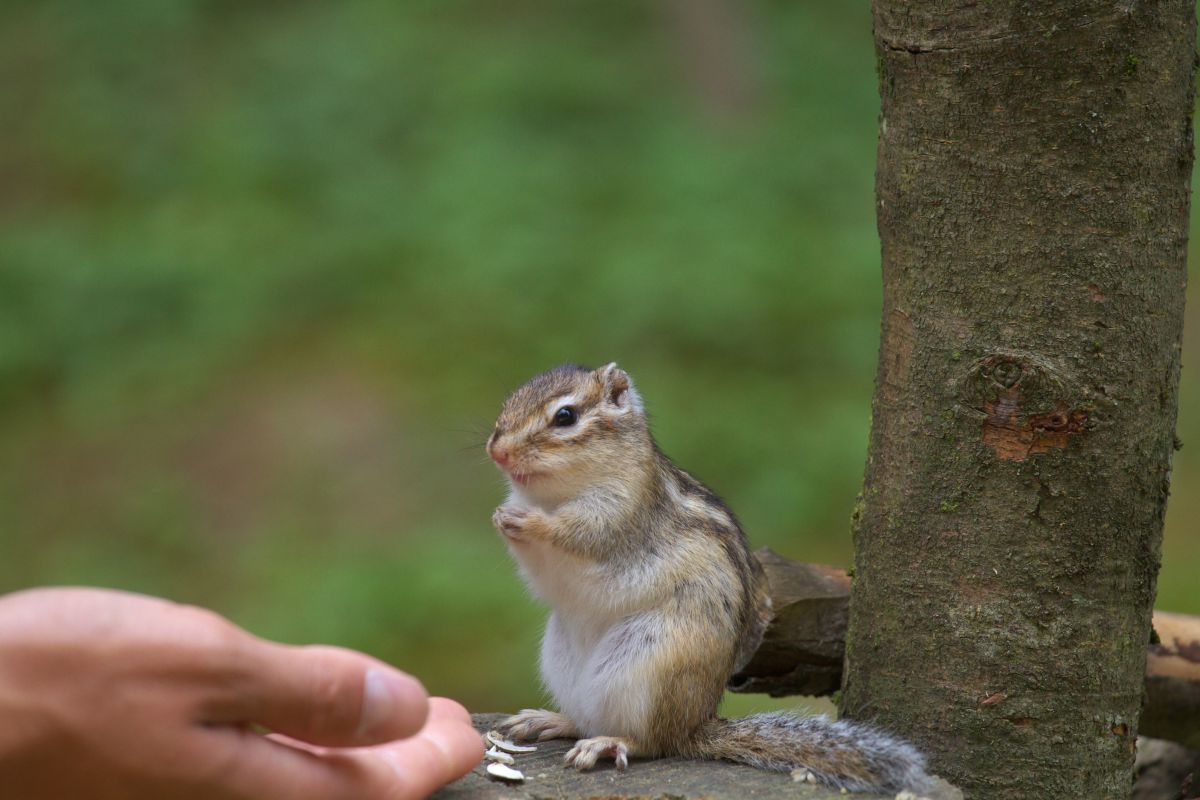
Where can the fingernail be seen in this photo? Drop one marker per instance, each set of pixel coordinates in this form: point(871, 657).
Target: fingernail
point(386, 697)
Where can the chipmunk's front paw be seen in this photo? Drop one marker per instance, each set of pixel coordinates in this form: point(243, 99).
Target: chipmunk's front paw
point(515, 522)
point(537, 724)
point(586, 752)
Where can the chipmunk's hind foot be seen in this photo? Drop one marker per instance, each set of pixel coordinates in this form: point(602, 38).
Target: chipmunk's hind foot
point(586, 752)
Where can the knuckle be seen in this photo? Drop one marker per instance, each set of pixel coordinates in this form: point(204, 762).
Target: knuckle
point(208, 628)
point(335, 699)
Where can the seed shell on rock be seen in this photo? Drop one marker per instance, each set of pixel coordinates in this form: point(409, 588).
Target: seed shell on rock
point(505, 773)
point(499, 755)
point(504, 744)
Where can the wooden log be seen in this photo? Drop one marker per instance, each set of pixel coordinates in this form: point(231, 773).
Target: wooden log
point(678, 778)
point(1171, 709)
point(1164, 771)
point(802, 649)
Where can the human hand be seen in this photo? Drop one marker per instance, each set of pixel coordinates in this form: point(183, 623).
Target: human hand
point(105, 694)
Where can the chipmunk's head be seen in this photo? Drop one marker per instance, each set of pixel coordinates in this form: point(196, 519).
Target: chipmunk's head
point(569, 428)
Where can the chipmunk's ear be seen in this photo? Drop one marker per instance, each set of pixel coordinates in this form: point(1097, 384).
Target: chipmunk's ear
point(618, 388)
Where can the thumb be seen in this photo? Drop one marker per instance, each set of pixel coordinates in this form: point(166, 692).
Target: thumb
point(329, 696)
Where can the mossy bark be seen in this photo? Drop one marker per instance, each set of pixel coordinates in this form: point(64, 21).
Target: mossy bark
point(1033, 187)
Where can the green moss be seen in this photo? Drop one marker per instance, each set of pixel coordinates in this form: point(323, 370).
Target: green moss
point(859, 508)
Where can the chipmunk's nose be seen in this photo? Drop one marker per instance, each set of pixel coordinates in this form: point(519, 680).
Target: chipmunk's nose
point(499, 454)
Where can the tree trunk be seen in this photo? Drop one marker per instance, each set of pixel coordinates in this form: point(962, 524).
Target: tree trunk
point(1033, 184)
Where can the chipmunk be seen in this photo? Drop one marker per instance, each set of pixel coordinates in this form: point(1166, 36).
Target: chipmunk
point(656, 599)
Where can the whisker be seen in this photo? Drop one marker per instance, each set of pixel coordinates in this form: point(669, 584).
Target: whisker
point(479, 436)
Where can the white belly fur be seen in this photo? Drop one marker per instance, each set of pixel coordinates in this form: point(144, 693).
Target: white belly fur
point(602, 684)
point(605, 640)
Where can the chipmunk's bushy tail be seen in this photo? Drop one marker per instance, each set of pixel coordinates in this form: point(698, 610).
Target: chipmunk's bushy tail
point(843, 754)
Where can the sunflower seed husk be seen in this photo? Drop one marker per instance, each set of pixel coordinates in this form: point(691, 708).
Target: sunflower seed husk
point(505, 773)
point(499, 755)
point(504, 744)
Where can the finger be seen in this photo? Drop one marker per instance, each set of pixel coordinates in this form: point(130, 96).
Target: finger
point(445, 708)
point(260, 766)
point(441, 709)
point(444, 750)
point(326, 695)
point(411, 769)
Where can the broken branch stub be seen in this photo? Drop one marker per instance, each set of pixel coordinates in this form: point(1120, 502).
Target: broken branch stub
point(1026, 404)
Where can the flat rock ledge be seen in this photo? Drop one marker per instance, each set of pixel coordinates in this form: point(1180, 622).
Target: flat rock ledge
point(658, 779)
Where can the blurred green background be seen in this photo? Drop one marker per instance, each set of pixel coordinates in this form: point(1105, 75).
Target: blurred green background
point(267, 270)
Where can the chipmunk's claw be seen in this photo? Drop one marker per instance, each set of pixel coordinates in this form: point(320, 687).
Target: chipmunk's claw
point(586, 752)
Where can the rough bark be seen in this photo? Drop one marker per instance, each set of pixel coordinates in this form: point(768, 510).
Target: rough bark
point(805, 643)
point(1033, 172)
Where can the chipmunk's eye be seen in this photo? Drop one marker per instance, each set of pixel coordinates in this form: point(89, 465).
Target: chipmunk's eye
point(565, 417)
